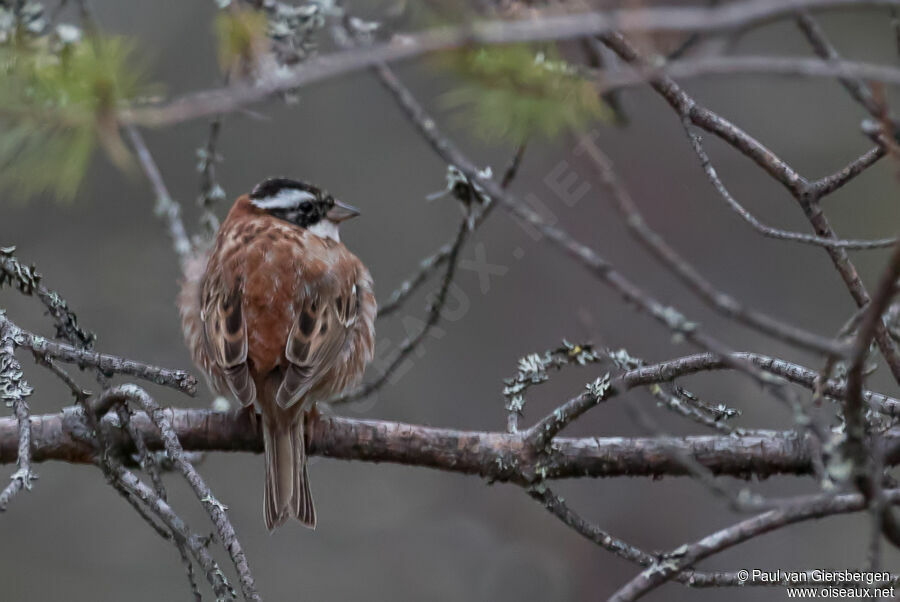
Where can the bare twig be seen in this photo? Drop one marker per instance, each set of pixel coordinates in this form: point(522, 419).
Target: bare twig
point(215, 508)
point(673, 402)
point(813, 507)
point(430, 264)
point(539, 27)
point(210, 190)
point(166, 207)
point(783, 66)
point(723, 303)
point(13, 392)
point(28, 281)
point(534, 369)
point(701, 362)
point(104, 363)
point(856, 444)
point(776, 233)
point(687, 107)
point(149, 465)
point(601, 269)
point(178, 528)
point(828, 184)
point(558, 508)
point(411, 343)
point(853, 82)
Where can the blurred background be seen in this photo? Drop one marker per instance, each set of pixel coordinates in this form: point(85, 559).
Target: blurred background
point(402, 533)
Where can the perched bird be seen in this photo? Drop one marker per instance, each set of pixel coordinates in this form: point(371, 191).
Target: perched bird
point(281, 314)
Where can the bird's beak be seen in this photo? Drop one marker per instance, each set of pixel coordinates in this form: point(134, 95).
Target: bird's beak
point(341, 211)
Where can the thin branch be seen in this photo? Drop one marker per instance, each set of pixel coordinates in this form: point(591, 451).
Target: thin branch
point(210, 190)
point(106, 364)
point(215, 508)
point(719, 301)
point(558, 508)
point(600, 57)
point(542, 433)
point(854, 408)
point(781, 66)
point(14, 391)
point(28, 281)
point(687, 107)
point(534, 369)
point(704, 118)
point(166, 207)
point(580, 253)
point(828, 184)
point(150, 465)
point(799, 375)
point(434, 315)
point(776, 233)
point(539, 27)
point(99, 443)
point(856, 444)
point(430, 264)
point(852, 80)
point(813, 507)
point(678, 404)
point(177, 526)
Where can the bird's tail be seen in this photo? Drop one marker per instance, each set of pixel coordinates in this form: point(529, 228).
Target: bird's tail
point(287, 481)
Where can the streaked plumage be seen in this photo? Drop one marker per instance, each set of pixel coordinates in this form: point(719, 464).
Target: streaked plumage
point(281, 316)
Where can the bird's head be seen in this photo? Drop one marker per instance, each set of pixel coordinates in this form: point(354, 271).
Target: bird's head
point(303, 205)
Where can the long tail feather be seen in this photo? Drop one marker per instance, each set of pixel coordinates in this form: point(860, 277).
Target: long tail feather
point(302, 505)
point(279, 472)
point(287, 482)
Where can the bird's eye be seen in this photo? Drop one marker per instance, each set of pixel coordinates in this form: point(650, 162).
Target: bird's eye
point(305, 206)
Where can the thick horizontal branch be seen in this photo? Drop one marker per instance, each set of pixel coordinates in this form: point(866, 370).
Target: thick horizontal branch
point(493, 455)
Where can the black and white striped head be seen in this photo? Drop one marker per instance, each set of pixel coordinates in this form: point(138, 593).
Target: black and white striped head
point(302, 204)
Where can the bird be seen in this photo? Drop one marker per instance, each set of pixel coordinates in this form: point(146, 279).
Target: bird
point(278, 314)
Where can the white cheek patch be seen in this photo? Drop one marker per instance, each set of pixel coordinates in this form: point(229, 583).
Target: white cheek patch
point(325, 229)
point(289, 198)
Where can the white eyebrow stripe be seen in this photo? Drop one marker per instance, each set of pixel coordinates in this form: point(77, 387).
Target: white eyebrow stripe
point(285, 199)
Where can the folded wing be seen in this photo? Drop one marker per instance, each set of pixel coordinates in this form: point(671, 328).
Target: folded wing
point(319, 333)
point(226, 335)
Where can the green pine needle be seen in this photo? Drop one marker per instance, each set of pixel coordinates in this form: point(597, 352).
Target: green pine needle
point(56, 105)
point(512, 93)
point(241, 37)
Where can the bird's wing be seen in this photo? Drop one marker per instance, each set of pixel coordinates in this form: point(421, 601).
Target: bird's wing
point(318, 335)
point(226, 336)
